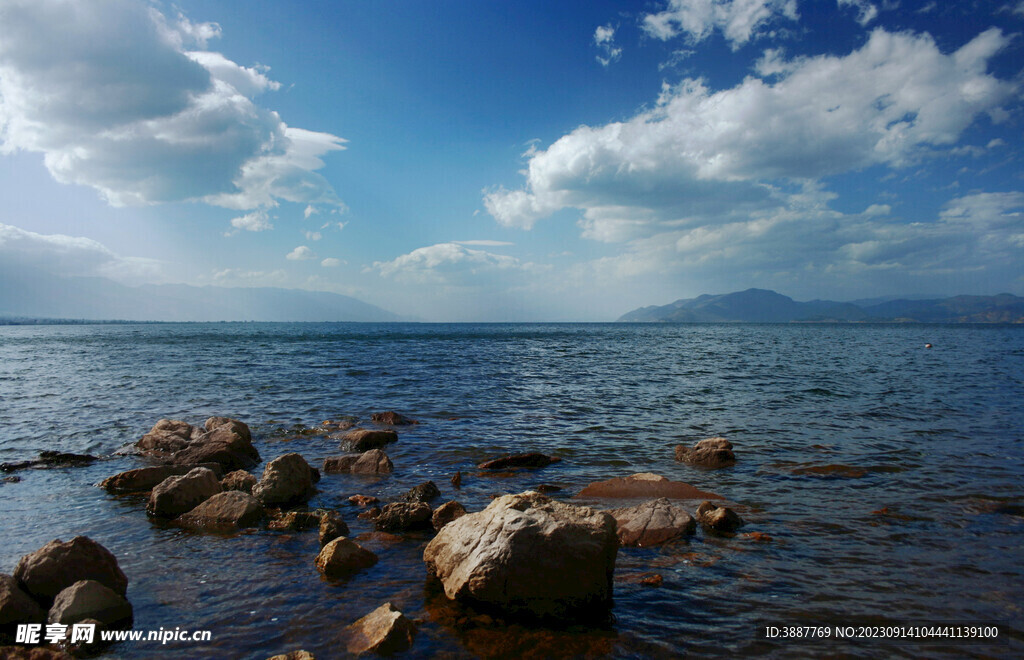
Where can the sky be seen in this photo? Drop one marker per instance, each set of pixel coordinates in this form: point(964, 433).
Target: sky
point(517, 161)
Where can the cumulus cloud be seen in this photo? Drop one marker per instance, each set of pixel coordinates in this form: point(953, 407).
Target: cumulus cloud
point(121, 98)
point(739, 20)
point(701, 156)
point(331, 262)
point(255, 221)
point(301, 253)
point(866, 12)
point(73, 256)
point(447, 263)
point(604, 39)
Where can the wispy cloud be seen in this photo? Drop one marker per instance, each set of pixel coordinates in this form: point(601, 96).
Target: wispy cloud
point(604, 39)
point(739, 20)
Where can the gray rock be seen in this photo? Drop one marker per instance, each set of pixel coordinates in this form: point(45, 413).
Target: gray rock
point(287, 479)
point(88, 599)
point(177, 495)
point(384, 631)
point(652, 522)
point(529, 555)
point(57, 565)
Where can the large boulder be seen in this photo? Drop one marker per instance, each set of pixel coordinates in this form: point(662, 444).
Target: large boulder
point(383, 631)
point(287, 479)
point(403, 516)
point(57, 565)
point(510, 461)
point(718, 518)
point(230, 509)
point(710, 452)
point(365, 439)
point(16, 606)
point(529, 555)
point(373, 461)
point(143, 479)
point(342, 557)
point(177, 495)
point(653, 522)
point(88, 599)
point(225, 445)
point(241, 428)
point(644, 485)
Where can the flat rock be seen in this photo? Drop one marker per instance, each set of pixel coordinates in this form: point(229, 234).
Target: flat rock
point(391, 418)
point(232, 508)
point(16, 606)
point(57, 565)
point(88, 599)
point(718, 518)
point(645, 485)
point(529, 555)
point(652, 522)
point(180, 494)
point(446, 513)
point(287, 479)
point(342, 557)
point(365, 439)
point(373, 461)
point(425, 492)
point(529, 460)
point(239, 480)
point(710, 452)
point(144, 479)
point(403, 516)
point(383, 631)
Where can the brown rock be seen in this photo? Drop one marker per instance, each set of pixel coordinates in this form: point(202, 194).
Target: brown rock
point(446, 513)
point(403, 516)
point(718, 518)
point(370, 514)
point(88, 599)
point(342, 557)
point(425, 492)
point(392, 418)
point(373, 461)
point(710, 452)
point(383, 631)
point(34, 653)
point(224, 445)
point(645, 485)
point(143, 479)
point(239, 480)
point(177, 495)
point(57, 565)
point(295, 521)
point(293, 655)
point(287, 479)
point(331, 527)
point(16, 606)
point(232, 508)
point(364, 439)
point(457, 480)
point(651, 523)
point(363, 500)
point(529, 555)
point(652, 580)
point(167, 436)
point(530, 460)
point(241, 428)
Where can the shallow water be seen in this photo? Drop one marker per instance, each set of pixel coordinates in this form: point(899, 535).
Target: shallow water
point(888, 476)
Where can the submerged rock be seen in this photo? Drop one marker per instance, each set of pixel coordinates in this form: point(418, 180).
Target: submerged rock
point(391, 418)
point(710, 452)
point(57, 565)
point(143, 479)
point(295, 521)
point(232, 508)
point(646, 485)
point(50, 459)
point(89, 599)
point(365, 439)
point(425, 492)
point(180, 494)
point(529, 555)
point(383, 631)
point(342, 557)
point(287, 479)
point(373, 461)
point(446, 513)
point(718, 518)
point(652, 522)
point(529, 460)
point(403, 516)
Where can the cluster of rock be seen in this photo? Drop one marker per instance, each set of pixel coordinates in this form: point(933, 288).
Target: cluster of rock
point(220, 440)
point(65, 583)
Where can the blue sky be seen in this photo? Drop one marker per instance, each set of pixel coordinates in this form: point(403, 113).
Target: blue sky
point(517, 160)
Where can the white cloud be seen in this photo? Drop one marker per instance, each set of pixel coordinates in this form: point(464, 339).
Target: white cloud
point(313, 235)
point(255, 221)
point(701, 156)
point(249, 278)
point(604, 39)
point(484, 243)
point(878, 209)
point(120, 98)
point(447, 263)
point(301, 253)
point(739, 20)
point(75, 256)
point(331, 262)
point(866, 12)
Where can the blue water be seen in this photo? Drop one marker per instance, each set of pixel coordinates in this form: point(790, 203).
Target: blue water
point(918, 520)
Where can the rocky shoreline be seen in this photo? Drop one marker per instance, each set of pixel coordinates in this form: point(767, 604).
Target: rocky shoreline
point(526, 557)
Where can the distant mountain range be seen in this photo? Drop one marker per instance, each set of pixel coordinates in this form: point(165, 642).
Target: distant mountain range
point(763, 306)
point(28, 294)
